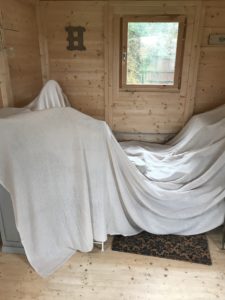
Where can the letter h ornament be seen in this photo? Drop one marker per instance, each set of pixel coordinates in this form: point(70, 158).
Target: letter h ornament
point(76, 42)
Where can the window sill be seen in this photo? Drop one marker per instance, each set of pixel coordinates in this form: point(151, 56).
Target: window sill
point(159, 89)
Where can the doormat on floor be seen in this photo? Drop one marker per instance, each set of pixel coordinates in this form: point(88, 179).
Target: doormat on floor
point(192, 248)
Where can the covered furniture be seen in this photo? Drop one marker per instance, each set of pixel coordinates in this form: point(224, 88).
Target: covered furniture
point(10, 237)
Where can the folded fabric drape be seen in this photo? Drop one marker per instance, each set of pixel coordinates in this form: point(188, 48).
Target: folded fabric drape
point(71, 182)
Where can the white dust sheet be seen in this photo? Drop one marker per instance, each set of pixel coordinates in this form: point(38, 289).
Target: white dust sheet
point(71, 182)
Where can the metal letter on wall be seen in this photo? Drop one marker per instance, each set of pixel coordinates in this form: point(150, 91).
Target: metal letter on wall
point(76, 42)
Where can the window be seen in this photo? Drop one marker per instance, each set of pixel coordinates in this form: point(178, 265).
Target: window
point(151, 52)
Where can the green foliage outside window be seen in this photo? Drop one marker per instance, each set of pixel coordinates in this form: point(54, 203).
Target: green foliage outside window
point(151, 52)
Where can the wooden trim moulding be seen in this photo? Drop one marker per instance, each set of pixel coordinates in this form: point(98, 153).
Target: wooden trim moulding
point(5, 79)
point(43, 42)
point(192, 82)
point(106, 64)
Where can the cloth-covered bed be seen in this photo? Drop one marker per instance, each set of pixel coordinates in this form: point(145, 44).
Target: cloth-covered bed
point(71, 182)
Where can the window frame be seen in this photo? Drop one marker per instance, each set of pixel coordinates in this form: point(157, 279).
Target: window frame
point(179, 52)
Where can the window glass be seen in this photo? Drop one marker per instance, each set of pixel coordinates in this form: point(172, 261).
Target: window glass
point(151, 53)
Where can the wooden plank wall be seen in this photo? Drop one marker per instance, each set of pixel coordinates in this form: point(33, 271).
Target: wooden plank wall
point(210, 90)
point(20, 52)
point(161, 112)
point(1, 99)
point(5, 80)
point(80, 73)
point(90, 78)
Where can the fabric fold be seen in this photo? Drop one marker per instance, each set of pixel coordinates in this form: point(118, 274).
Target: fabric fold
point(71, 182)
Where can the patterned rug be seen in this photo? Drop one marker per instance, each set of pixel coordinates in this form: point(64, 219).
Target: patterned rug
point(192, 248)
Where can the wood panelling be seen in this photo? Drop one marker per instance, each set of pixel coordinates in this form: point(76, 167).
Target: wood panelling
point(82, 74)
point(91, 78)
point(33, 2)
point(161, 111)
point(210, 91)
point(5, 79)
point(43, 43)
point(20, 51)
point(1, 99)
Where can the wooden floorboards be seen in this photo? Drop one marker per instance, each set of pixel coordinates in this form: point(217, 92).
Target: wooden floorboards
point(114, 275)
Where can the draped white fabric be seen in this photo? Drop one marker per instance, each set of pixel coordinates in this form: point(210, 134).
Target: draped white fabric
point(51, 96)
point(72, 183)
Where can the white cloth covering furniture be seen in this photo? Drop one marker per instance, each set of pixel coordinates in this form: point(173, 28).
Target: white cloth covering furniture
point(72, 183)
